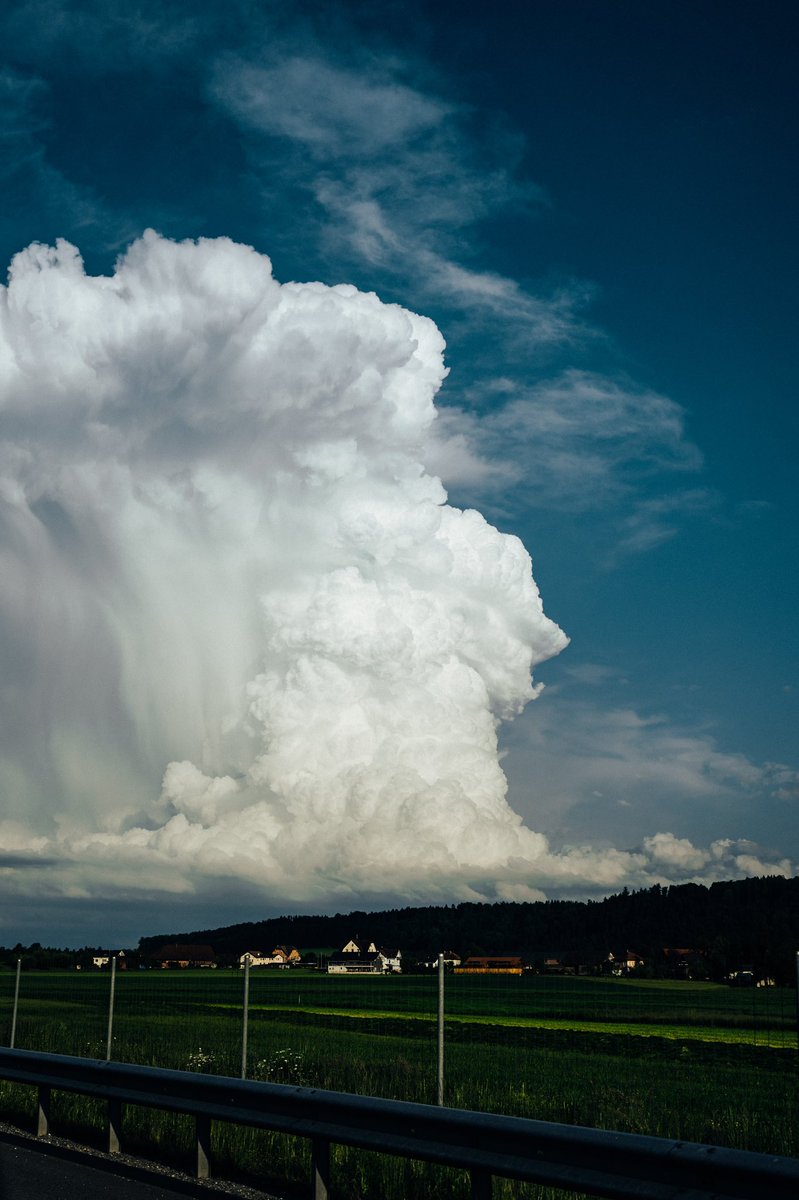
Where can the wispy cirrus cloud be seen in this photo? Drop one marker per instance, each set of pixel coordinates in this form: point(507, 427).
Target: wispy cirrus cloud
point(395, 173)
point(107, 34)
point(576, 442)
point(581, 444)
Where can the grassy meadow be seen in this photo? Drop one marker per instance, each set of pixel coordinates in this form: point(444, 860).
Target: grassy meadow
point(701, 1062)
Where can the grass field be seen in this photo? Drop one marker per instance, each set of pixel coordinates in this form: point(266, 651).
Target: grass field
point(694, 1061)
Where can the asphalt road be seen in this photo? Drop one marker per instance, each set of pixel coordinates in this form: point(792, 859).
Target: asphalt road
point(31, 1172)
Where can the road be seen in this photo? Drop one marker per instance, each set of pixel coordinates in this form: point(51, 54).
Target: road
point(35, 1172)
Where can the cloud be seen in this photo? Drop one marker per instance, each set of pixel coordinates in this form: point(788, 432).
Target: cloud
point(251, 644)
point(331, 111)
point(674, 852)
point(107, 34)
point(398, 180)
point(578, 444)
point(223, 563)
point(579, 441)
point(586, 768)
point(396, 174)
point(400, 175)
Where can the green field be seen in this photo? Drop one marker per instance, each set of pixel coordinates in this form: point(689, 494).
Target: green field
point(700, 1062)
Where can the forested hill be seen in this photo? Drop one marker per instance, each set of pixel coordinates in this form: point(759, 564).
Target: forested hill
point(743, 922)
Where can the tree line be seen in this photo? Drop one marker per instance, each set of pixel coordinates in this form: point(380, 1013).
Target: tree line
point(750, 924)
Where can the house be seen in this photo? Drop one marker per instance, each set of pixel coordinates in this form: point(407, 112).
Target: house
point(357, 945)
point(281, 956)
point(622, 962)
point(286, 955)
point(174, 955)
point(358, 957)
point(256, 958)
point(103, 958)
point(491, 964)
point(562, 964)
point(451, 959)
point(390, 957)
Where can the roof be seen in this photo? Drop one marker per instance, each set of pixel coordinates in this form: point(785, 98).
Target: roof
point(498, 959)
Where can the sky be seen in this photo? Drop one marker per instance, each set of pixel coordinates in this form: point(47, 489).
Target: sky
point(322, 322)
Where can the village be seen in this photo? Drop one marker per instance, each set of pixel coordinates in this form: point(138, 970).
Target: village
point(363, 956)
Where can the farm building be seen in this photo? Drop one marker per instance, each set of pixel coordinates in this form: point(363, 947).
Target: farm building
point(173, 955)
point(491, 964)
point(281, 956)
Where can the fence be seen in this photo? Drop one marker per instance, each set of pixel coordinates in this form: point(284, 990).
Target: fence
point(698, 1062)
point(593, 1162)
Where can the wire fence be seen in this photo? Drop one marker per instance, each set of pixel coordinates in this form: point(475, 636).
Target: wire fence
point(697, 1061)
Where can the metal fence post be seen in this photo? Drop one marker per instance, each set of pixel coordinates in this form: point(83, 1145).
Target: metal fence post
point(245, 1019)
point(320, 1169)
point(43, 1112)
point(16, 1005)
point(110, 1037)
point(203, 1131)
point(440, 1055)
point(114, 1126)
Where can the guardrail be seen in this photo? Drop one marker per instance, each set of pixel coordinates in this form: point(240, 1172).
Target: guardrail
point(594, 1162)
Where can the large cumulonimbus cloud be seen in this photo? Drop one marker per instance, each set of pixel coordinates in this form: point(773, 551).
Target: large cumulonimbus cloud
point(245, 636)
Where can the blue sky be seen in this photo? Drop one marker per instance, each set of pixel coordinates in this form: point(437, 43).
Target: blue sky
point(595, 202)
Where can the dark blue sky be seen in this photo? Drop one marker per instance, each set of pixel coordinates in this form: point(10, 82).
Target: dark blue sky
point(596, 202)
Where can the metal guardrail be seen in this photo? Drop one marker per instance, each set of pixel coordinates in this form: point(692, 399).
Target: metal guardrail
point(621, 1166)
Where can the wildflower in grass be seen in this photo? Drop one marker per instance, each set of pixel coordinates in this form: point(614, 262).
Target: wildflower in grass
point(203, 1062)
point(283, 1066)
point(96, 1048)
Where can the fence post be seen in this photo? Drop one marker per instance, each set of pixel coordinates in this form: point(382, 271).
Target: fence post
point(16, 1005)
point(245, 1018)
point(114, 1126)
point(203, 1130)
point(440, 1055)
point(43, 1112)
point(320, 1169)
point(110, 1037)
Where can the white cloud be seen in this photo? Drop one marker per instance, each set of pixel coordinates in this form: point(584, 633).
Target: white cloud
point(223, 560)
point(224, 564)
point(674, 852)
